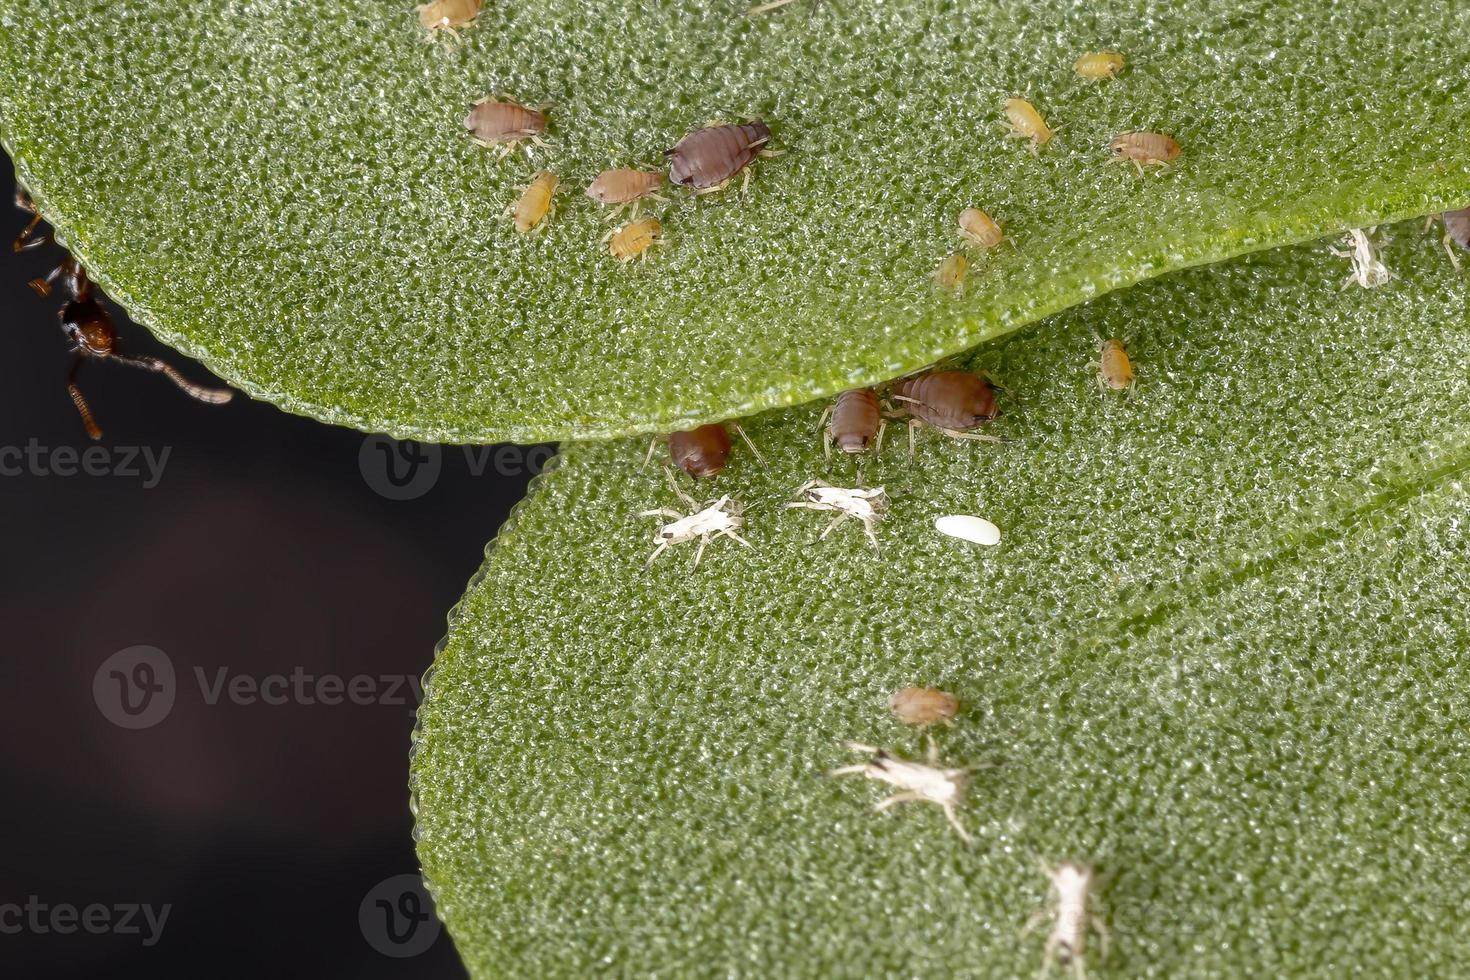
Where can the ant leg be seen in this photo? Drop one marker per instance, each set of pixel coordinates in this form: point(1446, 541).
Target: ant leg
point(28, 238)
point(210, 396)
point(81, 403)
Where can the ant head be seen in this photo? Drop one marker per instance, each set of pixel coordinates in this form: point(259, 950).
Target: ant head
point(89, 327)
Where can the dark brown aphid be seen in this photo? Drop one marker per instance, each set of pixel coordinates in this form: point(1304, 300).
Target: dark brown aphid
point(89, 327)
point(707, 159)
point(951, 401)
point(701, 452)
point(923, 706)
point(1144, 149)
point(1456, 232)
point(28, 238)
point(493, 121)
point(854, 422)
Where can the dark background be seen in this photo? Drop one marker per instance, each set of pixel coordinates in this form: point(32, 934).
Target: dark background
point(265, 550)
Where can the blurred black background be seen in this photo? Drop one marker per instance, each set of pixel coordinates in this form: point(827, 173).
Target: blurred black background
point(269, 547)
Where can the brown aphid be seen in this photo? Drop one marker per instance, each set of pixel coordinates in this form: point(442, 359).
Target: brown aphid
point(89, 327)
point(446, 15)
point(1144, 149)
point(536, 202)
point(1099, 64)
point(709, 158)
point(1114, 369)
point(953, 271)
point(634, 239)
point(979, 228)
point(923, 706)
point(493, 122)
point(28, 237)
point(854, 423)
point(1026, 123)
point(621, 188)
point(701, 452)
point(1456, 232)
point(951, 401)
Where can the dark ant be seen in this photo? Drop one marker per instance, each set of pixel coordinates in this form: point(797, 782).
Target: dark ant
point(90, 329)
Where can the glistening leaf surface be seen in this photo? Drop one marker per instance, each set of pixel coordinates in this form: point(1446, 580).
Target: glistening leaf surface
point(1219, 652)
point(284, 188)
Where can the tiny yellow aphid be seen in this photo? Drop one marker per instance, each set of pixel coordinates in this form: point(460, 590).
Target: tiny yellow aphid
point(1100, 64)
point(979, 228)
point(536, 202)
point(1026, 123)
point(952, 271)
point(634, 239)
point(1114, 369)
point(923, 706)
point(446, 15)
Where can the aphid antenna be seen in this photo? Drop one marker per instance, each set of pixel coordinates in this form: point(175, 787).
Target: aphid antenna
point(746, 439)
point(210, 396)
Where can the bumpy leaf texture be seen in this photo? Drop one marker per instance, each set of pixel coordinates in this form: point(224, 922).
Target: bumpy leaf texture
point(1219, 653)
point(284, 188)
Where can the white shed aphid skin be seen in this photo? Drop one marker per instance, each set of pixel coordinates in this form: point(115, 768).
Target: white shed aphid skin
point(866, 506)
point(1368, 269)
point(976, 530)
point(721, 518)
point(1072, 889)
point(925, 782)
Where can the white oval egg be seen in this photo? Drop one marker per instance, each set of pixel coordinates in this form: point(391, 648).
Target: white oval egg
point(974, 529)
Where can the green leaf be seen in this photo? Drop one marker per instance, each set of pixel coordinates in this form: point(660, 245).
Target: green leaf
point(284, 189)
point(1219, 653)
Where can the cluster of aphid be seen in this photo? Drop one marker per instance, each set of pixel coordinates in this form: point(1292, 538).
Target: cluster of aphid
point(952, 402)
point(706, 160)
point(1023, 121)
point(89, 326)
point(928, 781)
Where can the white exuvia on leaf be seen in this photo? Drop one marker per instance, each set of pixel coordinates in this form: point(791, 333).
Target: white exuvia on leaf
point(1368, 268)
point(865, 505)
point(926, 782)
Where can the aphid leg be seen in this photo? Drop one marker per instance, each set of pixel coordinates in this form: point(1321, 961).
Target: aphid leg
point(973, 436)
point(698, 554)
point(878, 442)
point(210, 396)
point(754, 451)
point(913, 424)
point(648, 457)
point(1449, 249)
point(832, 526)
point(688, 500)
point(905, 797)
point(731, 534)
point(954, 821)
point(766, 7)
point(656, 552)
point(1139, 167)
point(661, 512)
